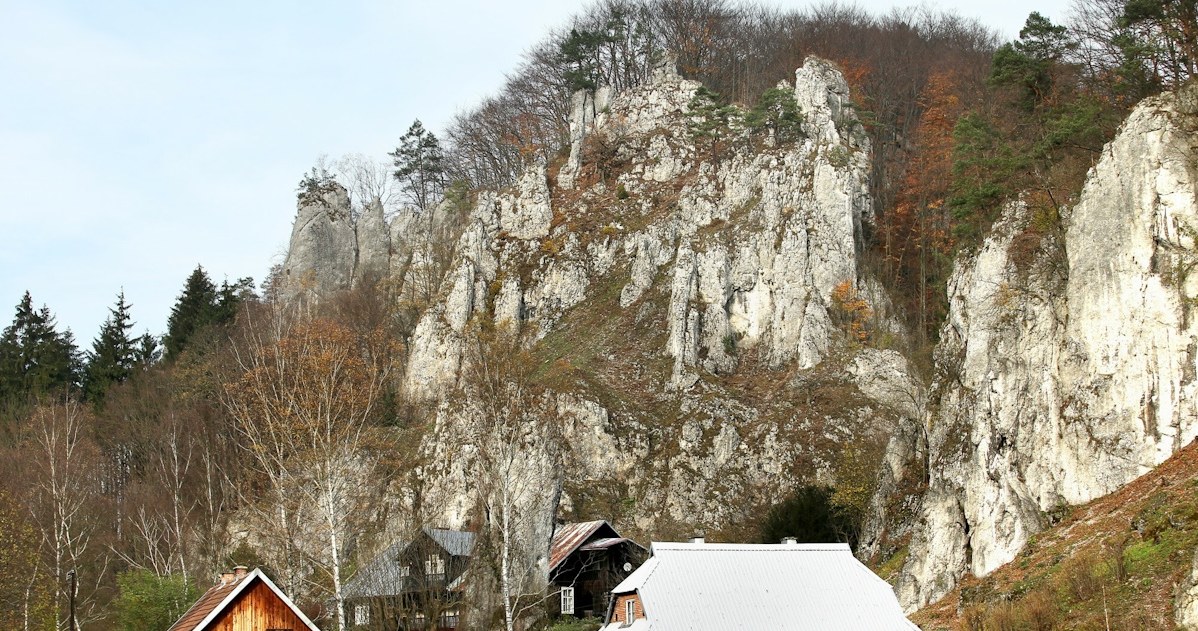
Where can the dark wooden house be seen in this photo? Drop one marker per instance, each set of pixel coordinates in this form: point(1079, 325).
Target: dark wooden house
point(244, 601)
point(586, 561)
point(413, 584)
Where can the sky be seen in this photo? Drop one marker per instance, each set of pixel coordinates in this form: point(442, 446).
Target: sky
point(139, 139)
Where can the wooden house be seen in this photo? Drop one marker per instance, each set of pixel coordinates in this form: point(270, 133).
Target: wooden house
point(413, 584)
point(244, 601)
point(587, 560)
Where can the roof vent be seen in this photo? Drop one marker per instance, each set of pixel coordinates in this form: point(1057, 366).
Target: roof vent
point(790, 541)
point(698, 539)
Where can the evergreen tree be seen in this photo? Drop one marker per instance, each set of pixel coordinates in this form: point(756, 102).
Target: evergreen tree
point(201, 305)
point(196, 307)
point(34, 357)
point(777, 112)
point(1028, 63)
point(148, 351)
point(113, 354)
point(420, 167)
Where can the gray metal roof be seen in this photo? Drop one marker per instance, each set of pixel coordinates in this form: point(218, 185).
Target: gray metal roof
point(380, 577)
point(383, 575)
point(456, 542)
point(795, 587)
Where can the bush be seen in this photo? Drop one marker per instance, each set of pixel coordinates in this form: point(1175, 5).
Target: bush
point(810, 516)
point(148, 602)
point(586, 624)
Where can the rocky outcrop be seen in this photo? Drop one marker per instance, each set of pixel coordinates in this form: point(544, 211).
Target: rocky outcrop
point(673, 266)
point(1065, 371)
point(323, 250)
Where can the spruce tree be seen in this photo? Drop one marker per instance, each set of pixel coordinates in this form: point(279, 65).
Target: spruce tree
point(34, 357)
point(197, 307)
point(113, 353)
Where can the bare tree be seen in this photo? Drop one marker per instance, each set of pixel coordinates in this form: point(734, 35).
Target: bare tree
point(303, 404)
point(514, 430)
point(367, 181)
point(64, 499)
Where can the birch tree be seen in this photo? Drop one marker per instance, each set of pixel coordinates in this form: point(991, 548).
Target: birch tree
point(518, 466)
point(66, 506)
point(303, 405)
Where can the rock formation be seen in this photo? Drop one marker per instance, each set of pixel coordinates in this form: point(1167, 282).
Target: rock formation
point(1066, 371)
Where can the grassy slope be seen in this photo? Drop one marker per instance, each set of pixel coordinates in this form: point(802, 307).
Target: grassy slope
point(1110, 564)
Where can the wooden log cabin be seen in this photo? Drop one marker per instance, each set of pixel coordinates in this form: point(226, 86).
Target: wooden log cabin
point(244, 601)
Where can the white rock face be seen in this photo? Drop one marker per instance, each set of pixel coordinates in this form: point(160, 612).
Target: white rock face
point(1064, 382)
point(373, 243)
point(323, 250)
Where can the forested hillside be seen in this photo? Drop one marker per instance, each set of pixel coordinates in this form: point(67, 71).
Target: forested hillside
point(689, 270)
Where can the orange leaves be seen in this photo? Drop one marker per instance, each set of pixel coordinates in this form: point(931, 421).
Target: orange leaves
point(851, 311)
point(311, 385)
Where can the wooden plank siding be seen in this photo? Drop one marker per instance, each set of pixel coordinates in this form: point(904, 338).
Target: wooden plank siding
point(257, 609)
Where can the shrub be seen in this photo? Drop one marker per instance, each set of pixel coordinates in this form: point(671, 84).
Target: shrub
point(148, 602)
point(810, 516)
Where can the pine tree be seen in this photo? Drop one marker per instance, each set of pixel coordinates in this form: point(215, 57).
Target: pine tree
point(113, 353)
point(34, 357)
point(420, 167)
point(196, 308)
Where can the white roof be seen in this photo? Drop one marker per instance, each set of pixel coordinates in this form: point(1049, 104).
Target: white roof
point(785, 587)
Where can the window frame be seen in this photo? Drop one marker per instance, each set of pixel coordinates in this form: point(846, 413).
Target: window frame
point(629, 610)
point(567, 596)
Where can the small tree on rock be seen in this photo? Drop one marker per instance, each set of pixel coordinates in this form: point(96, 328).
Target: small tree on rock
point(420, 167)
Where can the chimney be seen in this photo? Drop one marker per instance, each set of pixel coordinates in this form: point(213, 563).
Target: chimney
point(226, 578)
point(698, 538)
point(240, 571)
point(790, 541)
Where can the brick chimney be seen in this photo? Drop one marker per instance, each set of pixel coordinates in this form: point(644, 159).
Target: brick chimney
point(240, 571)
point(226, 578)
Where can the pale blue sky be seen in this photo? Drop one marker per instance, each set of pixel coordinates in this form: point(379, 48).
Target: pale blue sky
point(138, 139)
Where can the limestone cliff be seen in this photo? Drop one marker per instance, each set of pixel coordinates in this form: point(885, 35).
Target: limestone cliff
point(1066, 368)
point(677, 296)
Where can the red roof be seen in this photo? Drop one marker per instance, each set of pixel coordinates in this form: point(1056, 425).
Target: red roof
point(204, 606)
point(219, 596)
point(568, 537)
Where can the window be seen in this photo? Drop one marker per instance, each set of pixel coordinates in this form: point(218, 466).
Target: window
point(449, 619)
point(629, 610)
point(361, 614)
point(434, 566)
point(405, 571)
point(568, 600)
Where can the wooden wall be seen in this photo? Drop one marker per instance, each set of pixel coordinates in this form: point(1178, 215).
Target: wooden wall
point(258, 609)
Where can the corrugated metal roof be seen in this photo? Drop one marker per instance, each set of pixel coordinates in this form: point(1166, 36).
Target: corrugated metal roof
point(796, 587)
point(603, 544)
point(568, 537)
